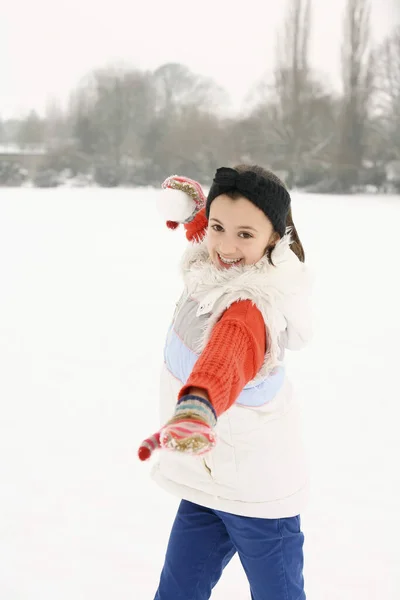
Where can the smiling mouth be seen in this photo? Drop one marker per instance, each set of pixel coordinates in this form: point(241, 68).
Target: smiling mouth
point(228, 261)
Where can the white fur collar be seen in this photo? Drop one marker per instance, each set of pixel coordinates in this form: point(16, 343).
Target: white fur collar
point(280, 290)
point(285, 275)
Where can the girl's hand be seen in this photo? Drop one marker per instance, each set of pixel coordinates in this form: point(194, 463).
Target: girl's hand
point(182, 200)
point(191, 429)
point(190, 436)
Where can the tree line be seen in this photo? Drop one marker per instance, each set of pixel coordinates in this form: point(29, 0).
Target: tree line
point(127, 126)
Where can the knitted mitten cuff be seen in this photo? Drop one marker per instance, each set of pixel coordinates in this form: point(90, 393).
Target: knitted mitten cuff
point(195, 407)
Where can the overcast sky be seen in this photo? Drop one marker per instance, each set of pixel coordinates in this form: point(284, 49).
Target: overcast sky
point(46, 46)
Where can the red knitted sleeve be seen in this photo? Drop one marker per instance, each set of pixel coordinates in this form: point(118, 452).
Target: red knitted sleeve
point(196, 229)
point(232, 357)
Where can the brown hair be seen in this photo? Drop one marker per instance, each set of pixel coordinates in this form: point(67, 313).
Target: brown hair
point(296, 244)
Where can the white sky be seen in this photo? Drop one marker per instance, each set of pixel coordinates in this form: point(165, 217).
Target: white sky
point(47, 46)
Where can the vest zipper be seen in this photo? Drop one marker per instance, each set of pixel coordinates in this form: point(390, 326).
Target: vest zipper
point(208, 468)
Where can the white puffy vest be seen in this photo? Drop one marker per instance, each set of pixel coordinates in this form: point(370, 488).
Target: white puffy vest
point(257, 468)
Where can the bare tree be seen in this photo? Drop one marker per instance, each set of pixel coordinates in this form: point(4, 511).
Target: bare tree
point(184, 134)
point(191, 145)
point(357, 79)
point(301, 154)
point(31, 130)
point(81, 119)
point(293, 49)
point(122, 112)
point(387, 94)
point(293, 86)
point(112, 111)
point(178, 87)
point(57, 127)
point(293, 114)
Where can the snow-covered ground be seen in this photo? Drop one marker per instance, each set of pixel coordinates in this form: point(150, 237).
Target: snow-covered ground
point(88, 281)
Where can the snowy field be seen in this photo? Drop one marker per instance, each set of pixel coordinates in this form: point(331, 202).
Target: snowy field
point(88, 281)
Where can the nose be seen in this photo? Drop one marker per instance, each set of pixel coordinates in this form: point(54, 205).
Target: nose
point(227, 247)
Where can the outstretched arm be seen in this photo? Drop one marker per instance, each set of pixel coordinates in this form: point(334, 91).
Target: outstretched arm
point(232, 357)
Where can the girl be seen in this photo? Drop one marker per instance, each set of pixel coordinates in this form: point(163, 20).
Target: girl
point(230, 446)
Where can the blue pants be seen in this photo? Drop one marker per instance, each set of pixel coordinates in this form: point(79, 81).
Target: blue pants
point(203, 541)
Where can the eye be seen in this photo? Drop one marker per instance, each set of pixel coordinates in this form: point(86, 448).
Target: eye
point(245, 235)
point(217, 227)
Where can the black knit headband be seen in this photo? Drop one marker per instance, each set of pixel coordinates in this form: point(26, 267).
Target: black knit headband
point(269, 196)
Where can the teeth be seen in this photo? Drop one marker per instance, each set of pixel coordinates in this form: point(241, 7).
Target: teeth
point(229, 261)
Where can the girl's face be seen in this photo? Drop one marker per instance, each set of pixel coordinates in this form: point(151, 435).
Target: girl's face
point(238, 232)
